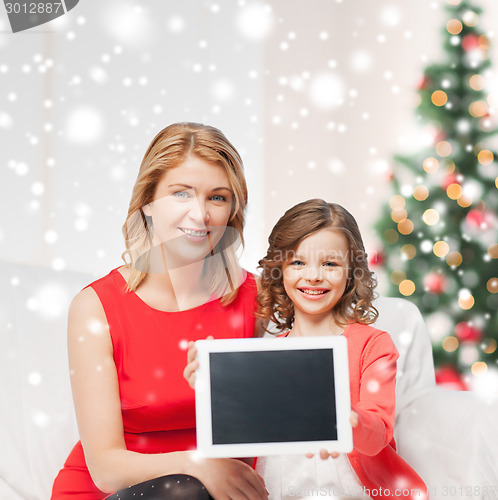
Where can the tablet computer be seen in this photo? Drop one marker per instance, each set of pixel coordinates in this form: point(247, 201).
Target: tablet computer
point(266, 396)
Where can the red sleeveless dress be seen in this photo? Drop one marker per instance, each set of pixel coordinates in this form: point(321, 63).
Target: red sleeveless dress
point(150, 354)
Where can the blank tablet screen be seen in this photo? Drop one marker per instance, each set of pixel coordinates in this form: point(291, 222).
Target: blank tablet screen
point(269, 396)
point(273, 396)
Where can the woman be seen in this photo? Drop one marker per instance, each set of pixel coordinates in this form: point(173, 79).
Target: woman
point(128, 331)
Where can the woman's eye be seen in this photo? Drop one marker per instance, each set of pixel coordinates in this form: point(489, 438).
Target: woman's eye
point(218, 198)
point(182, 194)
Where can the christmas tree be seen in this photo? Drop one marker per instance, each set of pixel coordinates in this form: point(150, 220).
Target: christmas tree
point(440, 229)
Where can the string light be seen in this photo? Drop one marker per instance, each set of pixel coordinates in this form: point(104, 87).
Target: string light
point(484, 42)
point(397, 201)
point(450, 344)
point(391, 236)
point(430, 165)
point(439, 98)
point(398, 214)
point(485, 157)
point(448, 165)
point(465, 299)
point(489, 347)
point(476, 82)
point(443, 148)
point(492, 285)
point(408, 251)
point(398, 276)
point(454, 191)
point(441, 249)
point(454, 26)
point(406, 287)
point(420, 193)
point(431, 217)
point(493, 251)
point(454, 259)
point(479, 368)
point(464, 202)
point(478, 109)
point(405, 226)
point(470, 18)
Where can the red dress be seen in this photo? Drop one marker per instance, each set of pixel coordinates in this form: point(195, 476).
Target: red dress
point(157, 404)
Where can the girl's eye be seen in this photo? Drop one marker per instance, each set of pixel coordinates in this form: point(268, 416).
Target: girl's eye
point(297, 263)
point(330, 264)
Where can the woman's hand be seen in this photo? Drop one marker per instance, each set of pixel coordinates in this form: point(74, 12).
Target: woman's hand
point(324, 454)
point(192, 363)
point(230, 479)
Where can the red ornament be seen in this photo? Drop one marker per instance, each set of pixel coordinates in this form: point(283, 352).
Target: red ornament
point(376, 258)
point(470, 42)
point(440, 136)
point(435, 283)
point(423, 83)
point(467, 333)
point(448, 377)
point(450, 179)
point(477, 219)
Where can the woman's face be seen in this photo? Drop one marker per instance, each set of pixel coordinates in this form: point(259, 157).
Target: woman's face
point(191, 209)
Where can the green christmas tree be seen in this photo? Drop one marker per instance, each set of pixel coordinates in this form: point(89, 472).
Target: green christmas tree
point(440, 228)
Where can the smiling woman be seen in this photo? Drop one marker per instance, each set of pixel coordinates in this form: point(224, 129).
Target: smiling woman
point(190, 210)
point(188, 184)
point(128, 331)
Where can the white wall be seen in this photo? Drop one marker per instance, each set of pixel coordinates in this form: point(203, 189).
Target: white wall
point(374, 50)
point(116, 72)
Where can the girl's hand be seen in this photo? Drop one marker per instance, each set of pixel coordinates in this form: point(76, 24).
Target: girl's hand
point(192, 363)
point(324, 454)
point(230, 479)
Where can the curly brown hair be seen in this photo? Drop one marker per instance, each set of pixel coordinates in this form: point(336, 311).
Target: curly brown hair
point(294, 226)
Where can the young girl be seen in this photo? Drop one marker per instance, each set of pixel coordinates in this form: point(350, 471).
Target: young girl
point(315, 281)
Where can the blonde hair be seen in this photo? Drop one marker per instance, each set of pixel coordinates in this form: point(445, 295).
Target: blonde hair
point(294, 226)
point(169, 149)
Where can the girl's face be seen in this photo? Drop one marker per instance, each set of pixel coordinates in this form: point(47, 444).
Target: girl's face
point(316, 276)
point(191, 209)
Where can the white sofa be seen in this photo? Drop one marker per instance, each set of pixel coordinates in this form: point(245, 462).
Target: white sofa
point(450, 438)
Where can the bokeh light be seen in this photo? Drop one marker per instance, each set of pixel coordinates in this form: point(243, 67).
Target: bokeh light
point(454, 191)
point(478, 109)
point(465, 299)
point(454, 259)
point(439, 98)
point(431, 165)
point(420, 193)
point(450, 344)
point(431, 217)
point(485, 157)
point(454, 26)
point(407, 287)
point(405, 226)
point(408, 251)
point(492, 285)
point(441, 248)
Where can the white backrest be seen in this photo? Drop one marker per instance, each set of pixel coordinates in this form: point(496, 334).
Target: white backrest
point(415, 368)
point(37, 423)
